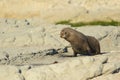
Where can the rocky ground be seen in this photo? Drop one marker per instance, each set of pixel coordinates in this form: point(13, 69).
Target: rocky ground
point(31, 49)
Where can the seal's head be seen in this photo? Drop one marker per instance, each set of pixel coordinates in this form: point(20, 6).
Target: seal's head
point(65, 33)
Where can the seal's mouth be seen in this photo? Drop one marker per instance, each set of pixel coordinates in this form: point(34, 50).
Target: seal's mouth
point(62, 36)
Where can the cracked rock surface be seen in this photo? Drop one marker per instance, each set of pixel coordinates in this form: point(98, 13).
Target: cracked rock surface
point(31, 49)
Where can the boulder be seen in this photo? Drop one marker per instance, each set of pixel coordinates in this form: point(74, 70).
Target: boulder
point(76, 68)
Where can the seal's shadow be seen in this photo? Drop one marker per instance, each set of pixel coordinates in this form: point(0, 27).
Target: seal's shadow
point(65, 55)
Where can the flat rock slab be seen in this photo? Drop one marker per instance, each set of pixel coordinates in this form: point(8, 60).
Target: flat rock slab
point(31, 49)
point(62, 65)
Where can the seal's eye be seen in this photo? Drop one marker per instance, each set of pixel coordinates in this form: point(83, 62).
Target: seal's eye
point(65, 33)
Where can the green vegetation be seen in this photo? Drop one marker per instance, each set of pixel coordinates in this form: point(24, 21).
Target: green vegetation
point(102, 23)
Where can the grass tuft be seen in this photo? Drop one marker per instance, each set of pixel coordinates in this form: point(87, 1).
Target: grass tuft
point(78, 24)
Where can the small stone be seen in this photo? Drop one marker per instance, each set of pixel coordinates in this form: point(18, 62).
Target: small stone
point(34, 53)
point(51, 52)
point(55, 62)
point(20, 71)
point(28, 23)
point(65, 50)
point(7, 56)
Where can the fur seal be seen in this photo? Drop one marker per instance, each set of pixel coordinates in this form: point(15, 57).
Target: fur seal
point(81, 44)
point(94, 45)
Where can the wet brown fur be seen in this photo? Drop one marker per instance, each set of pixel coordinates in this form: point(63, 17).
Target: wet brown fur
point(94, 45)
point(81, 44)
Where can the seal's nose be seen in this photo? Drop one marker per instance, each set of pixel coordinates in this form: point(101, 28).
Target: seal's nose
point(61, 34)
